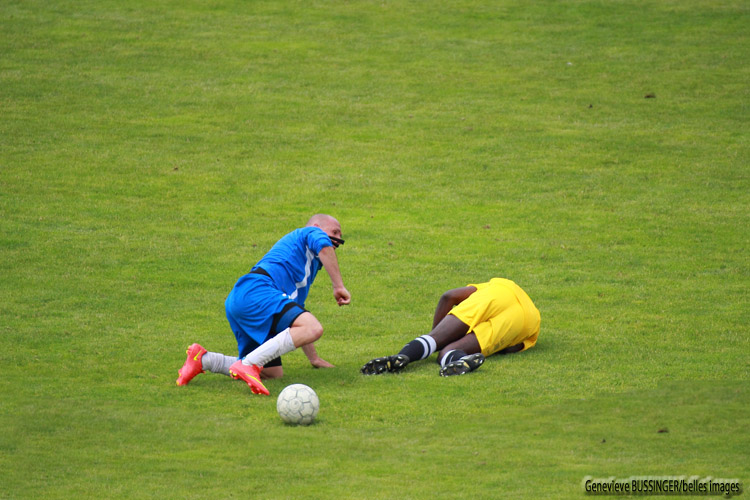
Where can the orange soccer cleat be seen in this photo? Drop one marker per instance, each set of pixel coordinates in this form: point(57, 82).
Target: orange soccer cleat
point(251, 375)
point(193, 365)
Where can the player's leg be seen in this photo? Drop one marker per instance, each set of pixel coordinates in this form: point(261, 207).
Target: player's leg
point(272, 369)
point(304, 329)
point(193, 364)
point(466, 356)
point(267, 317)
point(512, 349)
point(247, 330)
point(200, 360)
point(449, 329)
point(468, 344)
point(295, 327)
point(462, 356)
point(376, 366)
point(216, 362)
point(491, 314)
point(499, 333)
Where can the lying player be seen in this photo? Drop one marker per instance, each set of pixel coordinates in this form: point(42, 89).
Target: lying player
point(488, 318)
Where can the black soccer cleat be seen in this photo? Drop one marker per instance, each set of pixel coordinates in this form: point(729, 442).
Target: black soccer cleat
point(394, 363)
point(463, 365)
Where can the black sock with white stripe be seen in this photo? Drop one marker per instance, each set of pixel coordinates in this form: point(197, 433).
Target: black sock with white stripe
point(419, 348)
point(452, 355)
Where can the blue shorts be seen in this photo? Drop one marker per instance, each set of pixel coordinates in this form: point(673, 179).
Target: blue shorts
point(257, 311)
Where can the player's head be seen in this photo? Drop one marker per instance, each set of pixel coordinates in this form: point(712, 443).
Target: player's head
point(330, 225)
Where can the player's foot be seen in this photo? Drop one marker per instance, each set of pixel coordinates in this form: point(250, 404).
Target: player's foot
point(193, 365)
point(394, 363)
point(251, 375)
point(463, 365)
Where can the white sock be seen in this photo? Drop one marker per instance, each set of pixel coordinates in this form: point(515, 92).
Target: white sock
point(452, 355)
point(215, 362)
point(429, 345)
point(272, 348)
point(419, 348)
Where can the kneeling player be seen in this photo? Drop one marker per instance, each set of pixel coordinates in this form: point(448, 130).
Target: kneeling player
point(266, 308)
point(488, 318)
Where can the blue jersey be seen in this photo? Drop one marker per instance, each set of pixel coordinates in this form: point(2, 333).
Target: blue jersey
point(293, 262)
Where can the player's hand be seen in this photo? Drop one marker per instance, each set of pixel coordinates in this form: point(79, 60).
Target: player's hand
point(342, 296)
point(320, 363)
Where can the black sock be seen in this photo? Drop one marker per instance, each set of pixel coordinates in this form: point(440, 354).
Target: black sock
point(453, 355)
point(419, 348)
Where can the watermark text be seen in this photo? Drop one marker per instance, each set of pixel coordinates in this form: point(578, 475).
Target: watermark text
point(662, 485)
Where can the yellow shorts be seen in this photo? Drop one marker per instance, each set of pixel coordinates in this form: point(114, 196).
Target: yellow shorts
point(501, 315)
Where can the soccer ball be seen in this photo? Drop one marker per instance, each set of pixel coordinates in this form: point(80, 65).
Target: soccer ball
point(298, 404)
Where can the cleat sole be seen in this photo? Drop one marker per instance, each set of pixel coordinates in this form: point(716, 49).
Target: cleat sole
point(385, 364)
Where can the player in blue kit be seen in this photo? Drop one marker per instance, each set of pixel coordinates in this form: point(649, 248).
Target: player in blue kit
point(266, 308)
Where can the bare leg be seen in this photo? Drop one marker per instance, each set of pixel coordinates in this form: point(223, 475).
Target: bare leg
point(449, 330)
point(468, 344)
point(305, 329)
point(446, 329)
point(461, 356)
point(512, 349)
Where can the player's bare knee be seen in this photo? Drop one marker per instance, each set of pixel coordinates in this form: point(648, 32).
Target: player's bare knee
point(306, 329)
point(316, 331)
point(314, 328)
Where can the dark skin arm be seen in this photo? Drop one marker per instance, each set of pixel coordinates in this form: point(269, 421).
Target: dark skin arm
point(450, 299)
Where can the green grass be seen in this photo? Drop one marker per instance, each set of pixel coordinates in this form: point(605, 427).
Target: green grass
point(150, 153)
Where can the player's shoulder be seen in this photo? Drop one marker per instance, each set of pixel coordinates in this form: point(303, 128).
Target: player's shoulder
point(309, 236)
point(316, 234)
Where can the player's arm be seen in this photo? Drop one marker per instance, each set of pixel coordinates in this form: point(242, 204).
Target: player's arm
point(328, 258)
point(450, 299)
point(312, 355)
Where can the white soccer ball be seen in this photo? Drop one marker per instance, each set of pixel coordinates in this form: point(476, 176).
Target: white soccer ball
point(298, 404)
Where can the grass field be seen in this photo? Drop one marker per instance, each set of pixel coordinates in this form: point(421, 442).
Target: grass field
point(596, 152)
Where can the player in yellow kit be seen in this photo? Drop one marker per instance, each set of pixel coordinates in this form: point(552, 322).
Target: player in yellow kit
point(471, 323)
